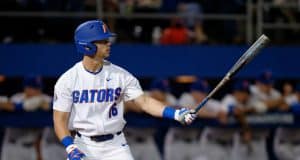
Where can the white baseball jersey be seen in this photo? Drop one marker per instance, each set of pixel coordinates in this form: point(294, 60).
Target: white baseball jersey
point(95, 100)
point(187, 100)
point(261, 96)
point(19, 143)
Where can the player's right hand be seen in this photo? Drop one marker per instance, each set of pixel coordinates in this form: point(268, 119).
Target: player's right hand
point(74, 153)
point(185, 115)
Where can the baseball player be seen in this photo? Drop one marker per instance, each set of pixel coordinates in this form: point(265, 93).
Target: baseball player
point(141, 140)
point(263, 98)
point(220, 142)
point(191, 139)
point(21, 143)
point(287, 140)
point(235, 104)
point(90, 96)
point(50, 146)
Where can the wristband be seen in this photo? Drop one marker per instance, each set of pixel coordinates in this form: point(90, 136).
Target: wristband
point(169, 112)
point(66, 141)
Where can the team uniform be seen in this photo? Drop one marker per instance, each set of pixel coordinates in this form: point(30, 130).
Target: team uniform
point(191, 139)
point(219, 142)
point(20, 143)
point(141, 140)
point(97, 108)
point(258, 141)
point(50, 146)
point(287, 140)
point(179, 138)
point(91, 95)
point(233, 135)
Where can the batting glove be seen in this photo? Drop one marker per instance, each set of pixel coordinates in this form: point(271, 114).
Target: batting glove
point(185, 116)
point(74, 153)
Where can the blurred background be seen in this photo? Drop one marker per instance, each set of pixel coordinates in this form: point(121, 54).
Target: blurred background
point(179, 50)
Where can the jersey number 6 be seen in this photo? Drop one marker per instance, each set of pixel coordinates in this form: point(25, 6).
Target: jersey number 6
point(113, 111)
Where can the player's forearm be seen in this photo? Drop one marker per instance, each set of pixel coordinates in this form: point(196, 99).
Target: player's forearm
point(60, 124)
point(150, 105)
point(158, 109)
point(7, 106)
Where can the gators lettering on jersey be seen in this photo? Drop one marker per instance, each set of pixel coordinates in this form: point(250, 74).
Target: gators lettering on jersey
point(94, 95)
point(95, 100)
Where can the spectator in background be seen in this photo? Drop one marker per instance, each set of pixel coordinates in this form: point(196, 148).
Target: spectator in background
point(193, 10)
point(22, 143)
point(142, 140)
point(287, 140)
point(264, 97)
point(288, 93)
point(143, 28)
point(175, 34)
point(191, 138)
point(219, 142)
point(236, 103)
point(50, 146)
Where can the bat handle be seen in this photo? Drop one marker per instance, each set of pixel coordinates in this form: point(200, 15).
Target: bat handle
point(201, 104)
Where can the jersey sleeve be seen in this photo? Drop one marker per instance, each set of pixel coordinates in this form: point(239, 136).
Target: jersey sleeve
point(186, 100)
point(132, 88)
point(62, 100)
point(227, 102)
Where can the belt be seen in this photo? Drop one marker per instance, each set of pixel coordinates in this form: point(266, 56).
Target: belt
point(101, 138)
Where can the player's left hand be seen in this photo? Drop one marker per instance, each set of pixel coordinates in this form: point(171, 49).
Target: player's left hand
point(74, 153)
point(185, 115)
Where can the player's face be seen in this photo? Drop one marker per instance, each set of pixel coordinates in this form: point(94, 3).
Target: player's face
point(198, 96)
point(287, 89)
point(103, 48)
point(266, 88)
point(31, 92)
point(241, 96)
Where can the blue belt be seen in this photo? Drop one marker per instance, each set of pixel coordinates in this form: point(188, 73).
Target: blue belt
point(101, 138)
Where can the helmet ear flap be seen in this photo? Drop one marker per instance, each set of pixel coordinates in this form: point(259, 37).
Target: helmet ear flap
point(86, 47)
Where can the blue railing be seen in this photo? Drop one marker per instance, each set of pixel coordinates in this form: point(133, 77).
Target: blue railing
point(42, 119)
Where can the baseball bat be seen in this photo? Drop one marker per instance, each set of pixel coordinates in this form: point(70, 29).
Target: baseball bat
point(242, 61)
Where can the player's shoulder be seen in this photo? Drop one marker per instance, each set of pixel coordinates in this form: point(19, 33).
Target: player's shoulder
point(228, 97)
point(17, 97)
point(275, 93)
point(186, 99)
point(214, 102)
point(253, 89)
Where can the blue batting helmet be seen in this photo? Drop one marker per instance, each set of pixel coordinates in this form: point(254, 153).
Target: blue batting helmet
point(33, 82)
point(266, 77)
point(242, 85)
point(160, 84)
point(88, 32)
point(200, 85)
